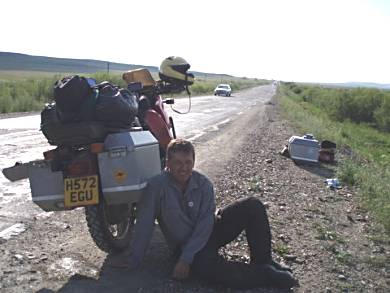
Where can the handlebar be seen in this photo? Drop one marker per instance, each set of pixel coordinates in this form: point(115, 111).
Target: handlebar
point(161, 88)
point(158, 89)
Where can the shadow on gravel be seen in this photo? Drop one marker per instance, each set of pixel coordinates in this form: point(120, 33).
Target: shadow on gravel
point(154, 275)
point(150, 279)
point(322, 170)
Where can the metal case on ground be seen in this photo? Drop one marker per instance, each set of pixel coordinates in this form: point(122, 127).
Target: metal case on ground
point(130, 159)
point(304, 148)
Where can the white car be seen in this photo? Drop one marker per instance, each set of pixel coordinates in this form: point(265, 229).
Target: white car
point(223, 89)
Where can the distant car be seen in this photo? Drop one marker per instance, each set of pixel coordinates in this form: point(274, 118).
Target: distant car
point(223, 89)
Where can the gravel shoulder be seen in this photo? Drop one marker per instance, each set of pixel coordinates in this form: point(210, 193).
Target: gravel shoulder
point(331, 244)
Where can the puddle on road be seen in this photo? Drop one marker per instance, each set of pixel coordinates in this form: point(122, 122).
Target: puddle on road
point(43, 215)
point(14, 192)
point(12, 231)
point(223, 122)
point(21, 122)
point(198, 133)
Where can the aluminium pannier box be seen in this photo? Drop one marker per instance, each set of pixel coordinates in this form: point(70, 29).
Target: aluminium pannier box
point(129, 160)
point(47, 187)
point(304, 148)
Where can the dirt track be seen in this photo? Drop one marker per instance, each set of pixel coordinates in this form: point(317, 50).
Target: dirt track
point(321, 233)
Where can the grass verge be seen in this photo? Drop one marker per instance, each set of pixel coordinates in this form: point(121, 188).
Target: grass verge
point(28, 91)
point(366, 151)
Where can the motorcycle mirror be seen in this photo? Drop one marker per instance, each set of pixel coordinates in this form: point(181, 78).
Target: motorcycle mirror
point(169, 101)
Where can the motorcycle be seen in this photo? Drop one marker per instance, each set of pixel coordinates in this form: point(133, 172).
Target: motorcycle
point(107, 177)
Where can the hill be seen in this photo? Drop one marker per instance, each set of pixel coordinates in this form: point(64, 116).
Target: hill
point(23, 62)
point(368, 84)
point(383, 86)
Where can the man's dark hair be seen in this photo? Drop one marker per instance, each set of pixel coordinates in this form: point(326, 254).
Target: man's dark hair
point(180, 145)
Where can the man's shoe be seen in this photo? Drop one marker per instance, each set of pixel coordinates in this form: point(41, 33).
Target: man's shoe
point(280, 267)
point(278, 278)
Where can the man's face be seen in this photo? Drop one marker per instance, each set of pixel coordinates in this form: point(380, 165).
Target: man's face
point(180, 165)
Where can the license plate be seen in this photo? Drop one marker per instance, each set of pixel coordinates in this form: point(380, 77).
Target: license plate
point(81, 191)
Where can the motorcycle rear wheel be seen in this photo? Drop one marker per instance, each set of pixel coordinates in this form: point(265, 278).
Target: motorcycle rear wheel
point(110, 235)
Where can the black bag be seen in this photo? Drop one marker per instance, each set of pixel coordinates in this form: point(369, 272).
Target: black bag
point(70, 93)
point(115, 107)
point(70, 134)
point(49, 116)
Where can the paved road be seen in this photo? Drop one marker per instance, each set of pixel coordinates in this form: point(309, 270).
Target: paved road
point(21, 140)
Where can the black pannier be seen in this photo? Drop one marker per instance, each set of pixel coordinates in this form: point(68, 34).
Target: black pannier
point(70, 134)
point(71, 93)
point(84, 113)
point(115, 107)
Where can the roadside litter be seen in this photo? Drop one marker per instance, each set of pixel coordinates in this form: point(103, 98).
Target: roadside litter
point(333, 183)
point(304, 148)
point(307, 149)
point(327, 151)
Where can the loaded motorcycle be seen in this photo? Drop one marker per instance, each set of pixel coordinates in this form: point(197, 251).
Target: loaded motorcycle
point(99, 163)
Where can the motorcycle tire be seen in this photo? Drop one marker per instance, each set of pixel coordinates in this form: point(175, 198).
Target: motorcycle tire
point(110, 235)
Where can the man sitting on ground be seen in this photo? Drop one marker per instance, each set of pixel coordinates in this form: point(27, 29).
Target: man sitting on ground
point(183, 202)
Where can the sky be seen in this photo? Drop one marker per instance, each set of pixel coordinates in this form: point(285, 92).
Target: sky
point(300, 40)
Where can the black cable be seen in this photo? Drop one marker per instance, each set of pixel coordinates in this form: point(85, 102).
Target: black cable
point(189, 106)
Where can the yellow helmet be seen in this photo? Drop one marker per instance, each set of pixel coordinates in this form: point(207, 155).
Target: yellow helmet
point(174, 70)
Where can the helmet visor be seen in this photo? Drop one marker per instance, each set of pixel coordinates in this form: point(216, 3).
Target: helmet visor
point(182, 68)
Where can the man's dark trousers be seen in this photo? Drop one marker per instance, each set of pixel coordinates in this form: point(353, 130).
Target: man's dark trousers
point(247, 215)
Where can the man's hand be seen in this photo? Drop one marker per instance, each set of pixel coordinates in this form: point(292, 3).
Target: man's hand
point(181, 270)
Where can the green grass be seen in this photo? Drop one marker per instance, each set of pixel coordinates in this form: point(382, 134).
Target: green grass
point(377, 261)
point(255, 184)
point(281, 249)
point(345, 258)
point(348, 171)
point(378, 238)
point(365, 163)
point(22, 91)
point(345, 287)
point(15, 75)
point(325, 234)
